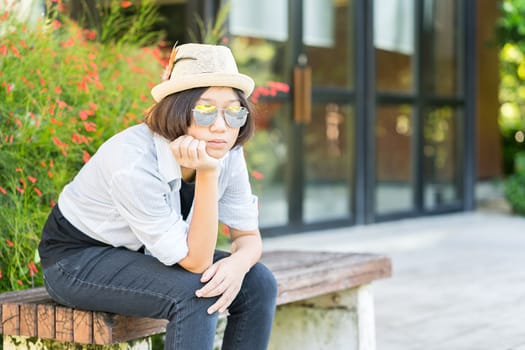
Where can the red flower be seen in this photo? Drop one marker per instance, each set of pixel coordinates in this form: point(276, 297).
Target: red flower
point(86, 157)
point(57, 141)
point(257, 175)
point(90, 126)
point(83, 114)
point(38, 192)
point(32, 179)
point(9, 243)
point(61, 104)
point(126, 4)
point(226, 230)
point(56, 24)
point(3, 190)
point(15, 51)
point(19, 282)
point(32, 268)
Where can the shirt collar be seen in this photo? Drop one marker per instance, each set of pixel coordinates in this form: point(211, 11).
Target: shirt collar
point(168, 166)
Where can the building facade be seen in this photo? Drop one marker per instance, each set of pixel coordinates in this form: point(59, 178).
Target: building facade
point(367, 110)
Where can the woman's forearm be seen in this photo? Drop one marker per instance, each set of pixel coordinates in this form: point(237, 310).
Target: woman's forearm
point(202, 233)
point(247, 248)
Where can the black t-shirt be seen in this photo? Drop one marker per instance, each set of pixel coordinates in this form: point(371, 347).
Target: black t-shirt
point(187, 193)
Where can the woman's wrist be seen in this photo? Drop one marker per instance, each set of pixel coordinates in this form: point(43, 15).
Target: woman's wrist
point(207, 173)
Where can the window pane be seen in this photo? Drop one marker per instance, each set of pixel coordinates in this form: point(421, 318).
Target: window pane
point(262, 57)
point(266, 155)
point(259, 19)
point(328, 41)
point(441, 173)
point(394, 44)
point(442, 39)
point(394, 184)
point(329, 161)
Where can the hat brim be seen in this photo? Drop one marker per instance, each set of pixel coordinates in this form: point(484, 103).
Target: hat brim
point(238, 81)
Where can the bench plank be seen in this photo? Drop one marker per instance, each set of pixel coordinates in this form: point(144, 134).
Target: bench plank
point(45, 321)
point(300, 275)
point(11, 319)
point(28, 320)
point(101, 329)
point(124, 328)
point(82, 326)
point(64, 324)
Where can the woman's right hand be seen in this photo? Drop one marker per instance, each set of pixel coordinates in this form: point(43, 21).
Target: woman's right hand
point(191, 153)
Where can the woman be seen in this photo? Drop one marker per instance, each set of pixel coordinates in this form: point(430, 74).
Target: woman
point(134, 233)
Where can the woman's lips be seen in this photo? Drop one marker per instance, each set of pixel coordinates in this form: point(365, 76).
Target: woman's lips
point(217, 143)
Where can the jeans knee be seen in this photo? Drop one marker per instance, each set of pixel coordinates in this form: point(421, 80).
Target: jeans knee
point(185, 302)
point(262, 284)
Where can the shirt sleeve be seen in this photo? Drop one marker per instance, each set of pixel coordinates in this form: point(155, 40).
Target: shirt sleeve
point(238, 207)
point(143, 200)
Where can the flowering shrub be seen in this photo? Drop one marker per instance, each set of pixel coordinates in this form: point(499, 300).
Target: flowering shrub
point(62, 94)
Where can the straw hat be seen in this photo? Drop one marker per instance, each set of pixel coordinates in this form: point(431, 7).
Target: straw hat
point(199, 65)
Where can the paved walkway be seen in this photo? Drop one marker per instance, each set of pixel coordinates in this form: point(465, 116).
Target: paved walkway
point(458, 280)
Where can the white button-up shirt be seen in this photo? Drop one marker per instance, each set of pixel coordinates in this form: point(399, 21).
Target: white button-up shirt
point(128, 195)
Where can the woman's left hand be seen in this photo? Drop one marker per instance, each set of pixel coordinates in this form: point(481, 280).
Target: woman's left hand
point(223, 278)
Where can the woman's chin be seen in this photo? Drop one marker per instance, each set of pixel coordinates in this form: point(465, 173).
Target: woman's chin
point(216, 153)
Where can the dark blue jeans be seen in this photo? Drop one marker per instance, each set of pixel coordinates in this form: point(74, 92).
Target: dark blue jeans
point(130, 283)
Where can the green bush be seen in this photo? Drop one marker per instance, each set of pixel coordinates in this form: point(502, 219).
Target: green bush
point(515, 192)
point(514, 188)
point(510, 32)
point(62, 93)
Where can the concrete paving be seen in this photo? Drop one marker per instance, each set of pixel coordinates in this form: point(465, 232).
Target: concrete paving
point(458, 280)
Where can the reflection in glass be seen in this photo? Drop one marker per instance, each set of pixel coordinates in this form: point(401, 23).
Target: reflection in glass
point(394, 182)
point(259, 19)
point(441, 173)
point(329, 162)
point(443, 36)
point(266, 156)
point(331, 51)
point(394, 43)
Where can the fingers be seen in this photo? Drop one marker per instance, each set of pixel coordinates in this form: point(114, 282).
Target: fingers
point(185, 148)
point(215, 287)
point(224, 301)
point(208, 273)
point(189, 152)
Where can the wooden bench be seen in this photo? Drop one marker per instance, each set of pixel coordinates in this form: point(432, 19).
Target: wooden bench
point(315, 289)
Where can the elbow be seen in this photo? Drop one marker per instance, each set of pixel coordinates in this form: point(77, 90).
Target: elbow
point(193, 266)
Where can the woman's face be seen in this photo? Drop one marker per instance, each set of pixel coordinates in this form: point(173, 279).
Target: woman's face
point(219, 137)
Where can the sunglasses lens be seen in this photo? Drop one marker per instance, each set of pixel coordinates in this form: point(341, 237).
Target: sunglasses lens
point(204, 115)
point(236, 116)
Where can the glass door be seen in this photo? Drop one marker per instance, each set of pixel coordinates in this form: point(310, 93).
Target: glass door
point(328, 142)
point(418, 124)
point(301, 157)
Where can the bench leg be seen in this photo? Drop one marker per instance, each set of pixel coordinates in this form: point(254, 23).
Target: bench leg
point(341, 320)
point(32, 343)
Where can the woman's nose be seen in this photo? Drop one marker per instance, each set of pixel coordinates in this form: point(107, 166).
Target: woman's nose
point(220, 121)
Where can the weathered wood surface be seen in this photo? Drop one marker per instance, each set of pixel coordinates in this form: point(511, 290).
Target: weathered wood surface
point(300, 275)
